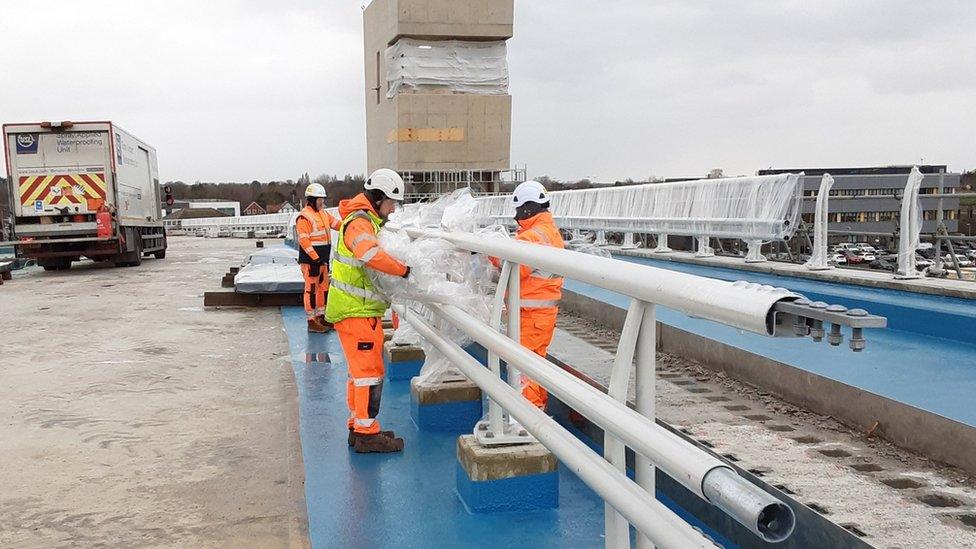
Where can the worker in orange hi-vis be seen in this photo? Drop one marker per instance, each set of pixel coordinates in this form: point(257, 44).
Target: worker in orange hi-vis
point(540, 291)
point(314, 226)
point(356, 307)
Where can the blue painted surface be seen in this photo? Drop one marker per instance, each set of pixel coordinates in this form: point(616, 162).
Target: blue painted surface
point(446, 417)
point(904, 362)
point(409, 499)
point(515, 494)
point(403, 369)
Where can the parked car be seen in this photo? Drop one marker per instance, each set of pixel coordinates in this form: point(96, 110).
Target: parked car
point(963, 261)
point(884, 265)
point(865, 247)
point(837, 259)
point(853, 258)
point(868, 256)
point(922, 262)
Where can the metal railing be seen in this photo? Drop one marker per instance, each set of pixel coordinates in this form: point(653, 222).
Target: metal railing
point(756, 308)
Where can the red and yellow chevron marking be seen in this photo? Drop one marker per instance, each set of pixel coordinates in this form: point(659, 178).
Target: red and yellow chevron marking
point(62, 189)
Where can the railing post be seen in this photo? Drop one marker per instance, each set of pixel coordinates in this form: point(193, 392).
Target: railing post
point(755, 252)
point(644, 396)
point(617, 527)
point(514, 318)
point(662, 244)
point(628, 243)
point(909, 227)
point(495, 413)
point(704, 250)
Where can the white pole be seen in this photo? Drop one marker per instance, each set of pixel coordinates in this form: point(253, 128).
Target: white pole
point(644, 396)
point(818, 256)
point(514, 319)
point(617, 528)
point(909, 226)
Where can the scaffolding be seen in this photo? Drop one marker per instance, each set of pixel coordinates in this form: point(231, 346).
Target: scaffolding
point(426, 185)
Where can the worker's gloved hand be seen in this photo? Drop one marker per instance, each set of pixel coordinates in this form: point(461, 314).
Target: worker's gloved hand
point(315, 269)
point(323, 260)
point(406, 274)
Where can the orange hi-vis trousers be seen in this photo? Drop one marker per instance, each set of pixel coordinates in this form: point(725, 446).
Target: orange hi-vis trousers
point(362, 343)
point(316, 288)
point(536, 328)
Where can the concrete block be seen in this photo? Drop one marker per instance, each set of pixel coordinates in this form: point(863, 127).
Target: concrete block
point(452, 407)
point(402, 361)
point(506, 478)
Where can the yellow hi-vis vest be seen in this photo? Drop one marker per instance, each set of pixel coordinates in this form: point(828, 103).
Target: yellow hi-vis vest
point(351, 294)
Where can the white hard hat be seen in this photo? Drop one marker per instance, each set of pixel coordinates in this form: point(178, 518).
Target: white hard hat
point(316, 190)
point(387, 181)
point(530, 191)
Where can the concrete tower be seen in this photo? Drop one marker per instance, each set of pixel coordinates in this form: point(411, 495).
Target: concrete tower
point(439, 127)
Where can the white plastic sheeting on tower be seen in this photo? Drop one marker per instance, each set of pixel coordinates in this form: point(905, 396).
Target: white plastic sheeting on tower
point(910, 226)
point(454, 65)
point(750, 208)
point(818, 259)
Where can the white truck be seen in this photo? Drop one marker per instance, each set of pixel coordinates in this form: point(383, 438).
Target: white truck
point(82, 189)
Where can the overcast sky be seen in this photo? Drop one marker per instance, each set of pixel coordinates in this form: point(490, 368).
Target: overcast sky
point(255, 89)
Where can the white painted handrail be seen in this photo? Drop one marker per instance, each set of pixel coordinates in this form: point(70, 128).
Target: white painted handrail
point(756, 308)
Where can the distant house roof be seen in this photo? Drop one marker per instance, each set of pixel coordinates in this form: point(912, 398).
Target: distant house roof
point(195, 213)
point(253, 206)
point(283, 207)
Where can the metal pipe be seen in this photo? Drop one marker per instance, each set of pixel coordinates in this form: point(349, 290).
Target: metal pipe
point(514, 318)
point(686, 464)
point(769, 518)
point(647, 514)
point(495, 411)
point(738, 304)
point(617, 529)
point(644, 393)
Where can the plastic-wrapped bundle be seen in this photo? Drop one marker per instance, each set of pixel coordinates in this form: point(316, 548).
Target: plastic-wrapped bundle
point(818, 257)
point(455, 65)
point(751, 208)
point(911, 225)
point(439, 273)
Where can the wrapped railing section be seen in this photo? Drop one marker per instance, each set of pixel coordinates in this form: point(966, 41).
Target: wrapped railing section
point(763, 207)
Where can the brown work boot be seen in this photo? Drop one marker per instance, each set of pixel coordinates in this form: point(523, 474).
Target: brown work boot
point(378, 443)
point(324, 322)
point(316, 327)
point(352, 436)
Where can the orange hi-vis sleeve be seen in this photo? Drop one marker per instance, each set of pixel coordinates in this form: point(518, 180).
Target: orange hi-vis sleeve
point(304, 229)
point(360, 238)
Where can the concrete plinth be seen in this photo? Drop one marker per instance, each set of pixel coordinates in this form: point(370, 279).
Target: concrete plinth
point(452, 406)
point(402, 361)
point(506, 478)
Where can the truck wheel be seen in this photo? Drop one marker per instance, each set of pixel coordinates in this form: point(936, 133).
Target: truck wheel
point(133, 258)
point(56, 264)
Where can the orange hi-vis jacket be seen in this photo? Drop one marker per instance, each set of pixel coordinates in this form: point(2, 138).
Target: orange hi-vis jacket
point(539, 289)
point(360, 238)
point(314, 231)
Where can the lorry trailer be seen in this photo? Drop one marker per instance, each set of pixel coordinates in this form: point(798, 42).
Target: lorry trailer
point(82, 189)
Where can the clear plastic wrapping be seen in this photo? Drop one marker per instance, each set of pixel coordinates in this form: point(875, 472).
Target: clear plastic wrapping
point(439, 273)
point(453, 65)
point(751, 208)
point(911, 225)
